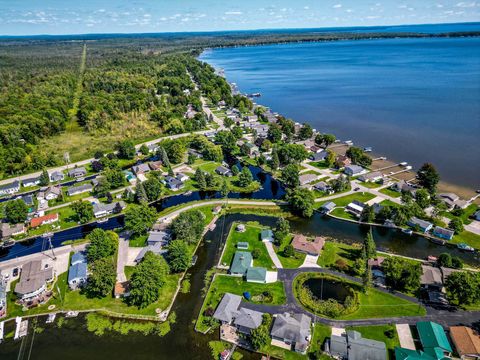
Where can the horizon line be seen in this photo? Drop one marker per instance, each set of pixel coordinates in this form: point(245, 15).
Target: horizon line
point(4, 36)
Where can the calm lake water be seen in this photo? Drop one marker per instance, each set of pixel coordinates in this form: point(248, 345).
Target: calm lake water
point(412, 100)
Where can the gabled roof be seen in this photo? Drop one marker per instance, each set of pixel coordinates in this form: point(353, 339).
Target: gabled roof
point(77, 271)
point(266, 234)
point(465, 340)
point(78, 257)
point(256, 274)
point(431, 276)
point(291, 327)
point(227, 308)
point(301, 243)
point(422, 223)
point(247, 318)
point(360, 348)
point(241, 262)
point(432, 335)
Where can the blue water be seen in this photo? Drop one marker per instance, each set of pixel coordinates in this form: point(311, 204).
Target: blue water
point(412, 100)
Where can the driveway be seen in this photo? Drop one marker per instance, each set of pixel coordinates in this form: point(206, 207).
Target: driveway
point(310, 262)
point(405, 336)
point(122, 257)
point(273, 255)
point(473, 227)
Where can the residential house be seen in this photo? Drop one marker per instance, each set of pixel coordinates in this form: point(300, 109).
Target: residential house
point(173, 183)
point(433, 339)
point(306, 179)
point(33, 181)
point(195, 153)
point(122, 289)
point(443, 233)
point(318, 155)
point(342, 161)
point(27, 199)
point(52, 192)
point(251, 118)
point(301, 244)
point(224, 171)
point(227, 308)
point(157, 249)
point(79, 189)
point(355, 208)
point(43, 220)
point(241, 228)
point(242, 260)
point(292, 330)
point(476, 216)
point(3, 297)
point(270, 117)
point(153, 148)
point(129, 176)
point(155, 237)
point(140, 169)
point(77, 273)
point(251, 149)
point(431, 278)
point(327, 207)
point(155, 165)
point(266, 235)
point(217, 209)
point(353, 346)
point(77, 172)
point(466, 341)
point(10, 188)
point(421, 225)
point(182, 177)
point(33, 280)
point(452, 200)
point(56, 176)
point(403, 186)
point(315, 149)
point(354, 170)
point(323, 187)
point(256, 275)
point(247, 320)
point(7, 230)
point(373, 176)
point(100, 209)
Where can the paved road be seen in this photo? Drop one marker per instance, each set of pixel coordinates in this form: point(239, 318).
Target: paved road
point(444, 317)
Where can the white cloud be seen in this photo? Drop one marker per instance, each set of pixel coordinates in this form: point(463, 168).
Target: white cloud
point(306, 7)
point(233, 13)
point(466, 4)
point(349, 10)
point(439, 6)
point(403, 6)
point(337, 6)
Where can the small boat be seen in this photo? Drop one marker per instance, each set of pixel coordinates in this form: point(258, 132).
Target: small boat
point(407, 231)
point(47, 235)
point(367, 149)
point(8, 244)
point(51, 318)
point(432, 258)
point(79, 179)
point(71, 314)
point(194, 259)
point(438, 241)
point(189, 192)
point(465, 247)
point(102, 220)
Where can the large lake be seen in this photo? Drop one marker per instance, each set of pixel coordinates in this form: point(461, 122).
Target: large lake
point(414, 100)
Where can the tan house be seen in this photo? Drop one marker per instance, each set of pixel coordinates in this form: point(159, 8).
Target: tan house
point(466, 341)
point(301, 244)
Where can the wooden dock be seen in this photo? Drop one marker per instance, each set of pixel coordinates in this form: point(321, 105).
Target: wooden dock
point(2, 328)
point(21, 328)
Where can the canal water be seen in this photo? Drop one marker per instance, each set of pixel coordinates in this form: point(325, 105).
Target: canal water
point(73, 341)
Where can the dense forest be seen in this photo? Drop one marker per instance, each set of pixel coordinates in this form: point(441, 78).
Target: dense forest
point(86, 94)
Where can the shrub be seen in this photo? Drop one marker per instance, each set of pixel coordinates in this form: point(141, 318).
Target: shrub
point(256, 253)
point(341, 265)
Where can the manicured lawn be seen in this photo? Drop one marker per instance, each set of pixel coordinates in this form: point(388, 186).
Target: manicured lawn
point(468, 238)
point(319, 164)
point(75, 300)
point(208, 166)
point(320, 334)
point(280, 353)
point(377, 304)
point(252, 236)
point(332, 252)
point(289, 262)
point(341, 213)
point(465, 217)
point(390, 192)
point(371, 185)
point(236, 285)
point(138, 240)
point(345, 200)
point(378, 332)
point(389, 203)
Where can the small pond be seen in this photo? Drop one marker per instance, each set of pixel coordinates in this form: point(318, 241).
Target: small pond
point(324, 289)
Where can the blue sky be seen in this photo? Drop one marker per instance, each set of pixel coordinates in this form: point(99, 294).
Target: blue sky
point(26, 17)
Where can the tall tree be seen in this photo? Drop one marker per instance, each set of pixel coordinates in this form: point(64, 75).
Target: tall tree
point(139, 218)
point(275, 162)
point(306, 132)
point(44, 178)
point(428, 177)
point(102, 244)
point(301, 201)
point(245, 178)
point(83, 210)
point(290, 175)
point(463, 288)
point(126, 149)
point(102, 278)
point(140, 193)
point(179, 257)
point(16, 211)
point(369, 245)
point(188, 226)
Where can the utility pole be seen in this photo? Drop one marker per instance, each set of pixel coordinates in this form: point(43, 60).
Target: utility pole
point(47, 244)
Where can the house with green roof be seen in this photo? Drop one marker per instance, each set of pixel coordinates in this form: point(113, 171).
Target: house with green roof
point(242, 260)
point(256, 275)
point(266, 235)
point(434, 342)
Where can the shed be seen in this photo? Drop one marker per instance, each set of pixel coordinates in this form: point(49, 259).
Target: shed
point(242, 245)
point(266, 235)
point(257, 275)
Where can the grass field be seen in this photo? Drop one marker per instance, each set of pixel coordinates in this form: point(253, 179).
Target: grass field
point(252, 236)
point(468, 238)
point(341, 213)
point(465, 217)
point(371, 185)
point(379, 332)
point(333, 251)
point(289, 262)
point(235, 285)
point(390, 192)
point(347, 199)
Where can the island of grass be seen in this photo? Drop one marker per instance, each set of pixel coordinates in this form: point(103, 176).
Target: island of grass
point(349, 302)
point(251, 235)
point(289, 262)
point(272, 294)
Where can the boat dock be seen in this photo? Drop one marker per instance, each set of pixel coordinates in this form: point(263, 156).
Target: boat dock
point(21, 328)
point(2, 327)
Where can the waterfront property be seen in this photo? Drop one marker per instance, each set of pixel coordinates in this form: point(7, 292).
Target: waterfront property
point(292, 332)
point(33, 181)
point(419, 224)
point(354, 170)
point(351, 345)
point(374, 176)
point(327, 207)
point(77, 172)
point(10, 188)
point(224, 171)
point(79, 189)
point(443, 233)
point(266, 235)
point(7, 230)
point(101, 209)
point(355, 208)
point(466, 342)
point(33, 281)
point(301, 244)
point(229, 312)
point(43, 220)
point(56, 176)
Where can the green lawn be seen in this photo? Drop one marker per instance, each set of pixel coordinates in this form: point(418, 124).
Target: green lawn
point(377, 304)
point(341, 213)
point(379, 332)
point(465, 217)
point(468, 238)
point(389, 203)
point(252, 236)
point(390, 192)
point(320, 333)
point(371, 185)
point(319, 164)
point(289, 262)
point(236, 285)
point(345, 200)
point(332, 252)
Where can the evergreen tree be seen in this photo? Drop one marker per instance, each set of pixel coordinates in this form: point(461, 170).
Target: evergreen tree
point(369, 245)
point(200, 179)
point(140, 193)
point(44, 178)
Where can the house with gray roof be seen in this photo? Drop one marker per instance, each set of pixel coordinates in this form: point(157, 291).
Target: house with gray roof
point(247, 320)
point(79, 189)
point(156, 248)
point(443, 233)
point(354, 170)
point(77, 275)
point(373, 176)
point(242, 260)
point(327, 207)
point(353, 346)
point(292, 330)
point(56, 176)
point(155, 237)
point(431, 278)
point(78, 258)
point(403, 186)
point(77, 172)
point(173, 183)
point(227, 308)
point(318, 156)
point(141, 168)
point(101, 209)
point(306, 179)
point(323, 187)
point(10, 188)
point(33, 280)
point(7, 230)
point(31, 181)
point(223, 170)
point(422, 225)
